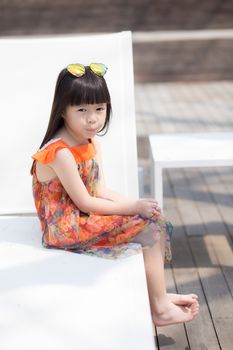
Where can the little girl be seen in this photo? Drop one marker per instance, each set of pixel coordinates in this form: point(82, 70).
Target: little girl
point(78, 212)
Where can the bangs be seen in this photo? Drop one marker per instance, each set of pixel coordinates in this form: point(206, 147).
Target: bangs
point(89, 89)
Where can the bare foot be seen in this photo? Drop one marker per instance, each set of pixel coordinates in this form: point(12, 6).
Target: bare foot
point(182, 299)
point(173, 314)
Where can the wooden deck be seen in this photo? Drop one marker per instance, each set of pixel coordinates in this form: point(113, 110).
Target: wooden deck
point(199, 203)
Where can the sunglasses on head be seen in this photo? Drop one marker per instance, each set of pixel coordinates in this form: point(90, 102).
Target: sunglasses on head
point(78, 69)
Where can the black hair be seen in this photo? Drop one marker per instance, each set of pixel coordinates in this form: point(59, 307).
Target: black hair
point(72, 90)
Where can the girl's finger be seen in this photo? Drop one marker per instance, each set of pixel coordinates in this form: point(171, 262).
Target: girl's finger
point(150, 200)
point(156, 207)
point(155, 212)
point(155, 216)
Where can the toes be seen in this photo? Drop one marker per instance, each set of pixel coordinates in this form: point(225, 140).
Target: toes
point(195, 314)
point(194, 306)
point(192, 295)
point(195, 296)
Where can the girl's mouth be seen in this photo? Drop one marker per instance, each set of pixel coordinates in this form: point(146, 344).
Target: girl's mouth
point(91, 130)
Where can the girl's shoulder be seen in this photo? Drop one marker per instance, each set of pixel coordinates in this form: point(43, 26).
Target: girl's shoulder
point(46, 154)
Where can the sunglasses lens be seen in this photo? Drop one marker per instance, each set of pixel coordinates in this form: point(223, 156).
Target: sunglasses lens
point(98, 68)
point(76, 69)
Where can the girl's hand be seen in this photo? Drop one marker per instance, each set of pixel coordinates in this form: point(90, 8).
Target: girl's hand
point(148, 207)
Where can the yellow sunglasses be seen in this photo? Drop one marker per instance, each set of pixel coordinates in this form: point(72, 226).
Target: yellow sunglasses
point(79, 69)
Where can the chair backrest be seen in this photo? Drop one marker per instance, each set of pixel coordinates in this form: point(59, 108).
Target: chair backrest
point(28, 72)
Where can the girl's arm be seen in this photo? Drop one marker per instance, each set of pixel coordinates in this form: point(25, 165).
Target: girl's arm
point(115, 196)
point(65, 167)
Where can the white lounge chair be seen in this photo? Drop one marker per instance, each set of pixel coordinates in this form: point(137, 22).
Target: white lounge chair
point(52, 298)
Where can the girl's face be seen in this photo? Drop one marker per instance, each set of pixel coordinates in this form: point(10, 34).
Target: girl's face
point(84, 121)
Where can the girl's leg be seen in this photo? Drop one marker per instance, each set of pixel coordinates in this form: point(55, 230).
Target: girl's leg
point(178, 299)
point(163, 310)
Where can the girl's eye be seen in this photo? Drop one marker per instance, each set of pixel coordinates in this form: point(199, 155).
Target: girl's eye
point(81, 109)
point(100, 109)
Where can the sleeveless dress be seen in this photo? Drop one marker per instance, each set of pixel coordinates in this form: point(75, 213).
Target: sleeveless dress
point(66, 227)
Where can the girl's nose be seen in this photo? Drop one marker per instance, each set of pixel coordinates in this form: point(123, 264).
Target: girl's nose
point(92, 119)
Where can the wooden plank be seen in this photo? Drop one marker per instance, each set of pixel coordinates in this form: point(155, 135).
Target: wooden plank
point(199, 193)
point(186, 205)
point(187, 278)
point(224, 177)
point(224, 254)
point(208, 189)
point(219, 181)
point(218, 287)
point(173, 335)
point(212, 277)
point(216, 291)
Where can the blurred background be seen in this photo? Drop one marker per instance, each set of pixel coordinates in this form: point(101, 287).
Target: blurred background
point(177, 45)
point(183, 72)
point(166, 42)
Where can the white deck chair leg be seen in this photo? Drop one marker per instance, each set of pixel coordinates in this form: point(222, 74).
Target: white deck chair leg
point(141, 182)
point(158, 185)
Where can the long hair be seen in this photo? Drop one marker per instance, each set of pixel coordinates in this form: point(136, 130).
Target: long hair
point(71, 90)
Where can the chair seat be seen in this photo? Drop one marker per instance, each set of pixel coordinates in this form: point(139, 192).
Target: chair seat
point(68, 301)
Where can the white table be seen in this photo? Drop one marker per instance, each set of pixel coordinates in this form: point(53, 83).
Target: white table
point(183, 150)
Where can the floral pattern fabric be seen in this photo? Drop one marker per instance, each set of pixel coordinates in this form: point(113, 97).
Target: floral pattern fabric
point(64, 226)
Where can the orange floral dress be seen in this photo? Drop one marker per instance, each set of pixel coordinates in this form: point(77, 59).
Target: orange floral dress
point(65, 226)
